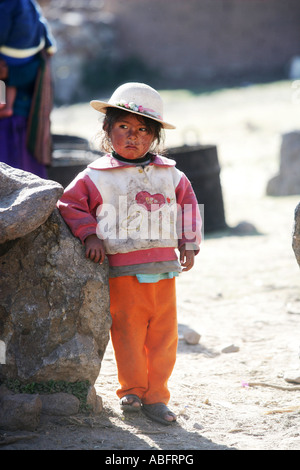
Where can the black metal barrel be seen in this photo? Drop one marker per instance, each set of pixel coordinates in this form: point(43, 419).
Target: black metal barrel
point(201, 165)
point(70, 156)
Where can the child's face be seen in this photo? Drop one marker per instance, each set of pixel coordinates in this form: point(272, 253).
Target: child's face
point(130, 138)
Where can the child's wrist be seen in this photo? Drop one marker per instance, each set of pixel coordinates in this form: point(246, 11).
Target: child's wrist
point(90, 236)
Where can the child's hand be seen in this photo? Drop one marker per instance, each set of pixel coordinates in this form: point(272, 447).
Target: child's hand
point(186, 258)
point(94, 249)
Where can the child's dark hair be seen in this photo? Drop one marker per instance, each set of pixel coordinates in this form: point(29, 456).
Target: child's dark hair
point(115, 114)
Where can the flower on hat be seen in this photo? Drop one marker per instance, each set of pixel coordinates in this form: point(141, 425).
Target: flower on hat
point(138, 109)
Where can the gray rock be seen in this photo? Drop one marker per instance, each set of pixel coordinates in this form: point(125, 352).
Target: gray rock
point(191, 336)
point(26, 201)
point(54, 303)
point(19, 411)
point(94, 400)
point(230, 349)
point(287, 181)
point(54, 307)
point(60, 404)
point(244, 228)
point(296, 234)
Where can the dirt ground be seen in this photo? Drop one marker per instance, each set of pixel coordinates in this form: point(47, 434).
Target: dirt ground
point(243, 291)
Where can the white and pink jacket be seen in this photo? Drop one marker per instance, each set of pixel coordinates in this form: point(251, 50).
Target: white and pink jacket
point(142, 213)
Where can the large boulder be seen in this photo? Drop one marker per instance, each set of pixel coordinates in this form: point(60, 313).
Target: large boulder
point(26, 201)
point(54, 303)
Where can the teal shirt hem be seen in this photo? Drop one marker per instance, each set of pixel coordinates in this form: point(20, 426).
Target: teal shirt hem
point(152, 278)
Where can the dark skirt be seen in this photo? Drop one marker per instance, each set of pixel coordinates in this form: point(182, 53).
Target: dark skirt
point(13, 149)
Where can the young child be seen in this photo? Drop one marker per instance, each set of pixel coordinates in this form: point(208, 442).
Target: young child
point(135, 207)
point(23, 34)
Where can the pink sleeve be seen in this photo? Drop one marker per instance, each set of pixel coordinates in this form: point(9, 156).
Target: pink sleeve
point(189, 218)
point(78, 206)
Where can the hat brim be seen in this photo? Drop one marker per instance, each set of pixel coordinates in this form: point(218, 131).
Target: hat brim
point(101, 106)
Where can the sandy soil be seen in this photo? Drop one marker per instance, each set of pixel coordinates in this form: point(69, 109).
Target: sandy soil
point(243, 291)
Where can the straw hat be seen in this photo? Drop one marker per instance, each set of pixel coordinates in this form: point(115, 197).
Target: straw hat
point(137, 98)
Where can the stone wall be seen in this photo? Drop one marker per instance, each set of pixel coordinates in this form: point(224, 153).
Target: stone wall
point(84, 33)
point(169, 44)
point(203, 39)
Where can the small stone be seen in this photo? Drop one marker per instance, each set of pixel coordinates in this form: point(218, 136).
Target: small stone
point(292, 376)
point(244, 228)
point(59, 404)
point(293, 308)
point(230, 349)
point(296, 234)
point(94, 400)
point(20, 411)
point(191, 336)
point(198, 426)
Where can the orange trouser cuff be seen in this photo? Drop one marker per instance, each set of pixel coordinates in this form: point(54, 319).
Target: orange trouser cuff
point(144, 335)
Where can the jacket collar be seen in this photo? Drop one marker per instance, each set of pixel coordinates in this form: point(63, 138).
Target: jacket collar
point(108, 162)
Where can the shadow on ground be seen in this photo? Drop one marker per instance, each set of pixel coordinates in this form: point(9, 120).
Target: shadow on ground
point(108, 431)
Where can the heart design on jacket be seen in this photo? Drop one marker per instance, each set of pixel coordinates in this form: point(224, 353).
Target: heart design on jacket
point(151, 202)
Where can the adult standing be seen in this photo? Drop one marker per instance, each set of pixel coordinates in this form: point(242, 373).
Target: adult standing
point(25, 46)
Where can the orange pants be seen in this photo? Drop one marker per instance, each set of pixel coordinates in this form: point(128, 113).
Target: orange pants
point(144, 336)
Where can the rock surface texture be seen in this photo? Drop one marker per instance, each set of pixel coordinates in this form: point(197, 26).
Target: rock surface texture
point(54, 303)
point(26, 201)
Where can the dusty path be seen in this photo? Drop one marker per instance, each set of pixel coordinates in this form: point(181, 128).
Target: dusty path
point(241, 292)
